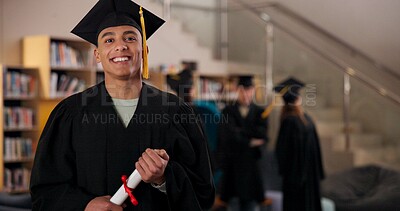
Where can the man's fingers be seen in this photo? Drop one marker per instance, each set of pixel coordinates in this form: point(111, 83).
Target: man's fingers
point(162, 153)
point(143, 164)
point(149, 158)
point(140, 169)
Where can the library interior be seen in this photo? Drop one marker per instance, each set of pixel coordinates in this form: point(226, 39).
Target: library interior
point(341, 57)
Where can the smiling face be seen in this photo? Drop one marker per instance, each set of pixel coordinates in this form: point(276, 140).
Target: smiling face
point(119, 50)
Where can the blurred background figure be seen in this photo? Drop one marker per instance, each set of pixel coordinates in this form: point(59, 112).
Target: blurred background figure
point(206, 111)
point(242, 139)
point(298, 152)
point(182, 83)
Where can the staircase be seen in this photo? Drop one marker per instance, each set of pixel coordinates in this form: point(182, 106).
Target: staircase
point(365, 148)
point(171, 44)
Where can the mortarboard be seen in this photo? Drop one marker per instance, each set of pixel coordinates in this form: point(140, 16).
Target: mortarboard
point(190, 65)
point(289, 89)
point(183, 79)
point(245, 81)
point(110, 13)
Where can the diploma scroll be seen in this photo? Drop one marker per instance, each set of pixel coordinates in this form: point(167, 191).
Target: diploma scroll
point(121, 195)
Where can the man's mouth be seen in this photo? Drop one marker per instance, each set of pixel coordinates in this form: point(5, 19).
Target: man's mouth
point(121, 59)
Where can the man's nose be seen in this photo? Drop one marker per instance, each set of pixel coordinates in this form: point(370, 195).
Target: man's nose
point(121, 46)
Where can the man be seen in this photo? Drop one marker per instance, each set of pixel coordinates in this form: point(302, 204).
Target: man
point(94, 137)
point(241, 140)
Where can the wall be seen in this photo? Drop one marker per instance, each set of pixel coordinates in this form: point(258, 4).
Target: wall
point(246, 38)
point(202, 23)
point(371, 26)
point(55, 18)
point(199, 18)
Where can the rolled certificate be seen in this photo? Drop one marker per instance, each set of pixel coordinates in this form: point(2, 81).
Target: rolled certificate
point(121, 195)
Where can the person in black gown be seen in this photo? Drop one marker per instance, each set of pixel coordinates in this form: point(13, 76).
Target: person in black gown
point(206, 110)
point(241, 139)
point(87, 144)
point(298, 152)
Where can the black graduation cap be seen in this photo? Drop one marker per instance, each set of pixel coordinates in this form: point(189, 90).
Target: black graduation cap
point(184, 79)
point(289, 89)
point(109, 13)
point(245, 81)
point(191, 65)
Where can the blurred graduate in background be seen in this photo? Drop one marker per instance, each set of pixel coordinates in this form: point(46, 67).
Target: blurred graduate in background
point(182, 82)
point(206, 110)
point(241, 140)
point(298, 152)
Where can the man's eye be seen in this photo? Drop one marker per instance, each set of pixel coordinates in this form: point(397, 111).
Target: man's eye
point(130, 39)
point(109, 40)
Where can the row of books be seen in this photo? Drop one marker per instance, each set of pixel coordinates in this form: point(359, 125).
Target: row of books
point(18, 118)
point(62, 85)
point(63, 55)
point(17, 148)
point(16, 179)
point(208, 88)
point(18, 84)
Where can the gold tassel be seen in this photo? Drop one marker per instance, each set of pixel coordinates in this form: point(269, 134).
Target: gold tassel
point(145, 60)
point(268, 110)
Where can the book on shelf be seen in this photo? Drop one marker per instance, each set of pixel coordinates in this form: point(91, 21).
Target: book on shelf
point(18, 84)
point(63, 55)
point(62, 85)
point(17, 148)
point(16, 179)
point(18, 118)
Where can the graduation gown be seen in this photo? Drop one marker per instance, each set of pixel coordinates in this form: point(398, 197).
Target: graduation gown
point(239, 162)
point(300, 164)
point(85, 148)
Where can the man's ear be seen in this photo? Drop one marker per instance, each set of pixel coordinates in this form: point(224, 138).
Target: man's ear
point(97, 55)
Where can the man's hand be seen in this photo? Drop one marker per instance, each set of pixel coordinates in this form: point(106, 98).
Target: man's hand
point(151, 165)
point(102, 203)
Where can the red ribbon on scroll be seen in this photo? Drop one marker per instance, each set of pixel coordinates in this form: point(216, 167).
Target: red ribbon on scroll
point(129, 191)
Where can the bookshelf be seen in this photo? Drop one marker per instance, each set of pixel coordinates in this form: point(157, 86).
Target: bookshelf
point(18, 125)
point(220, 88)
point(65, 66)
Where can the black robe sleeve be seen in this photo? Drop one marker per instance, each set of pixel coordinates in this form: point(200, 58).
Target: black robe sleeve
point(188, 174)
point(53, 174)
